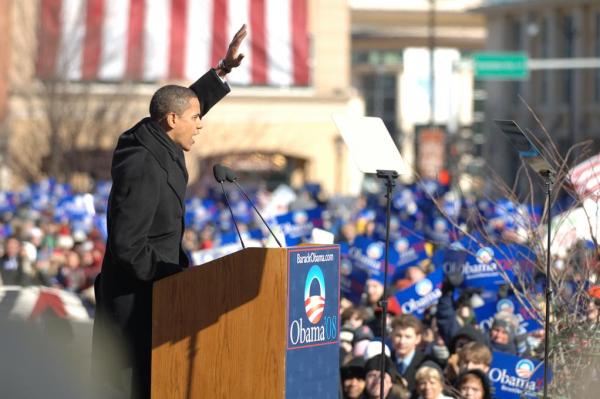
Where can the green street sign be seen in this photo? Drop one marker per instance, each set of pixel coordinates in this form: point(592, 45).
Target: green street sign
point(501, 66)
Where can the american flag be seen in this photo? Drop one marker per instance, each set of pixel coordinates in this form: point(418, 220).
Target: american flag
point(585, 178)
point(29, 303)
point(152, 40)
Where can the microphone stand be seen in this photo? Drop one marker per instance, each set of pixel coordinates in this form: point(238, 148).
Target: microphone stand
point(232, 217)
point(390, 177)
point(234, 181)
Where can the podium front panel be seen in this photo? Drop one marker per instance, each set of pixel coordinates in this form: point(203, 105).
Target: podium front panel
point(313, 325)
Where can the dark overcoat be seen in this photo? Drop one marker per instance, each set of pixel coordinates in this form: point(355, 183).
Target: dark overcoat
point(145, 220)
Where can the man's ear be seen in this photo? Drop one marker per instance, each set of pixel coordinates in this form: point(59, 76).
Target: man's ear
point(170, 119)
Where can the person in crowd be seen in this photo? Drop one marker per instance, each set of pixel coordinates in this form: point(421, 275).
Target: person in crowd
point(430, 382)
point(373, 294)
point(392, 389)
point(14, 267)
point(474, 384)
point(353, 317)
point(406, 337)
point(473, 355)
point(353, 378)
point(502, 334)
point(455, 319)
point(347, 233)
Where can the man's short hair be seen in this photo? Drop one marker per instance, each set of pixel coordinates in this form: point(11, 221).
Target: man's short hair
point(405, 321)
point(475, 352)
point(170, 98)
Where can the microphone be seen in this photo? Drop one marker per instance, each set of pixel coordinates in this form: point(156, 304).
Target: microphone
point(232, 178)
point(220, 173)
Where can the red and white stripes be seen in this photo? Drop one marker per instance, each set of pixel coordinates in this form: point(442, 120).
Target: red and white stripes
point(585, 177)
point(150, 40)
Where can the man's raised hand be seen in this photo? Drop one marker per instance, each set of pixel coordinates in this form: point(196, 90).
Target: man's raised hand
point(232, 58)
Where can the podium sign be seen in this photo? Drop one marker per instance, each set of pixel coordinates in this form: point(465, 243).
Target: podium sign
point(312, 355)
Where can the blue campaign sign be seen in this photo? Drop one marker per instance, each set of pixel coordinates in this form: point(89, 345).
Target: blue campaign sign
point(515, 377)
point(366, 254)
point(420, 296)
point(313, 325)
point(409, 251)
point(297, 226)
point(369, 255)
point(352, 279)
point(489, 267)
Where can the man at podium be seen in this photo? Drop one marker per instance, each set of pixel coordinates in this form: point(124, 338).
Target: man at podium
point(145, 226)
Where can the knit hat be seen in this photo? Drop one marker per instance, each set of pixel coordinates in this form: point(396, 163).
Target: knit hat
point(506, 325)
point(485, 381)
point(375, 364)
point(355, 368)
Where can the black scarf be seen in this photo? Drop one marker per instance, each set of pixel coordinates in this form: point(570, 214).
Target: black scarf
point(161, 136)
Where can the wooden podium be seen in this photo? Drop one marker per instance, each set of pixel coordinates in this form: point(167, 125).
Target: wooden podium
point(240, 326)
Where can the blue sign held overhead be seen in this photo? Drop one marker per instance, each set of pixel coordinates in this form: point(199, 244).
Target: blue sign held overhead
point(420, 296)
point(408, 251)
point(489, 267)
point(369, 255)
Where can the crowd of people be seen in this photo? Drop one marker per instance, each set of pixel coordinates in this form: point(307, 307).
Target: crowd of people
point(441, 347)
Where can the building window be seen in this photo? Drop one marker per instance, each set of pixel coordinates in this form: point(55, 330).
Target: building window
point(379, 91)
point(516, 44)
point(568, 34)
point(544, 53)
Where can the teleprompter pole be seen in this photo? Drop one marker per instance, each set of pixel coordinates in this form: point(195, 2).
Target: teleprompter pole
point(548, 178)
point(390, 177)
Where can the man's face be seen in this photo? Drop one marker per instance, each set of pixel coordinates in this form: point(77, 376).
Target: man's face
point(354, 387)
point(405, 340)
point(499, 335)
point(372, 381)
point(185, 126)
point(12, 247)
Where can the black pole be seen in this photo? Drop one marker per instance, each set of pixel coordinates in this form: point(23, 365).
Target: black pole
point(390, 177)
point(548, 177)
